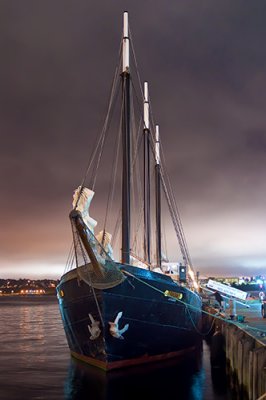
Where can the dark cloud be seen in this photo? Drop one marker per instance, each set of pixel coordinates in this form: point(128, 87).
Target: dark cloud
point(205, 65)
point(256, 141)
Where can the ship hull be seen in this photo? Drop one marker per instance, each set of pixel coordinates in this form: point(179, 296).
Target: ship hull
point(151, 326)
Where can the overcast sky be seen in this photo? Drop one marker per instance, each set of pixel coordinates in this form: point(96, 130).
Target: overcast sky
point(206, 67)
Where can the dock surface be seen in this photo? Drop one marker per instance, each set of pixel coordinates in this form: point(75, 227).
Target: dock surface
point(253, 323)
point(245, 346)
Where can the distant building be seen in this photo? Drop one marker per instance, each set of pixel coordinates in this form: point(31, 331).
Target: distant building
point(31, 288)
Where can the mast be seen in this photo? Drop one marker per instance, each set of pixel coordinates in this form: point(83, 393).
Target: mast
point(126, 178)
point(158, 198)
point(146, 180)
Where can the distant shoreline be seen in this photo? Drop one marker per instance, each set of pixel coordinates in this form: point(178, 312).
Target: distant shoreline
point(27, 295)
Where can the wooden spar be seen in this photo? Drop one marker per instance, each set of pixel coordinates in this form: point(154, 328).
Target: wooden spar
point(126, 178)
point(76, 217)
point(158, 199)
point(146, 180)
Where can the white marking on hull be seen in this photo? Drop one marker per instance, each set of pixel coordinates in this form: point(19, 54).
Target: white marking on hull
point(94, 329)
point(114, 329)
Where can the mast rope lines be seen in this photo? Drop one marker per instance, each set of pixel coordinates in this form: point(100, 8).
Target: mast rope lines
point(190, 306)
point(77, 243)
point(101, 139)
point(171, 202)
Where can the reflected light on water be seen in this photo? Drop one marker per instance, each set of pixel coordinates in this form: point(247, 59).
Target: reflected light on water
point(151, 382)
point(35, 364)
point(190, 379)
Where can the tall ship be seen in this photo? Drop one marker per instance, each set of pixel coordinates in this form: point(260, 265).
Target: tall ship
point(120, 304)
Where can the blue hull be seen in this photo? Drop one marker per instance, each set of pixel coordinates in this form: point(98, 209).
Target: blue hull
point(159, 326)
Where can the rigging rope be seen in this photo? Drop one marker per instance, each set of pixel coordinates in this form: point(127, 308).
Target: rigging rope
point(190, 306)
point(113, 175)
point(77, 242)
point(168, 192)
point(139, 196)
point(106, 123)
point(171, 201)
point(135, 63)
point(100, 140)
point(70, 258)
point(165, 179)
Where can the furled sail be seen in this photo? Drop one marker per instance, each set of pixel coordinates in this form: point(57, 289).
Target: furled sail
point(94, 261)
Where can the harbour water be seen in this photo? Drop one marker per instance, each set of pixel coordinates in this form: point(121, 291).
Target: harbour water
point(35, 364)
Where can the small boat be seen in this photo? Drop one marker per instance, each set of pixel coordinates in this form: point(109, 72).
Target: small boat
point(122, 310)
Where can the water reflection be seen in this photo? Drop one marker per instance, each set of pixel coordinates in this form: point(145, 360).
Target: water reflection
point(219, 380)
point(183, 381)
point(35, 364)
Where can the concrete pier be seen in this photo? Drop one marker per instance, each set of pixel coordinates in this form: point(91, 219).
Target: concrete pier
point(245, 348)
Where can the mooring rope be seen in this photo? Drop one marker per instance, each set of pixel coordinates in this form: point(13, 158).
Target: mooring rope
point(190, 306)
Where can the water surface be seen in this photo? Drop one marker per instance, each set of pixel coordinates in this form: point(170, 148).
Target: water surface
point(35, 364)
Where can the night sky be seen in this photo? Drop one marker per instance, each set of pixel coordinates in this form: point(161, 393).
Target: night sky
point(206, 67)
